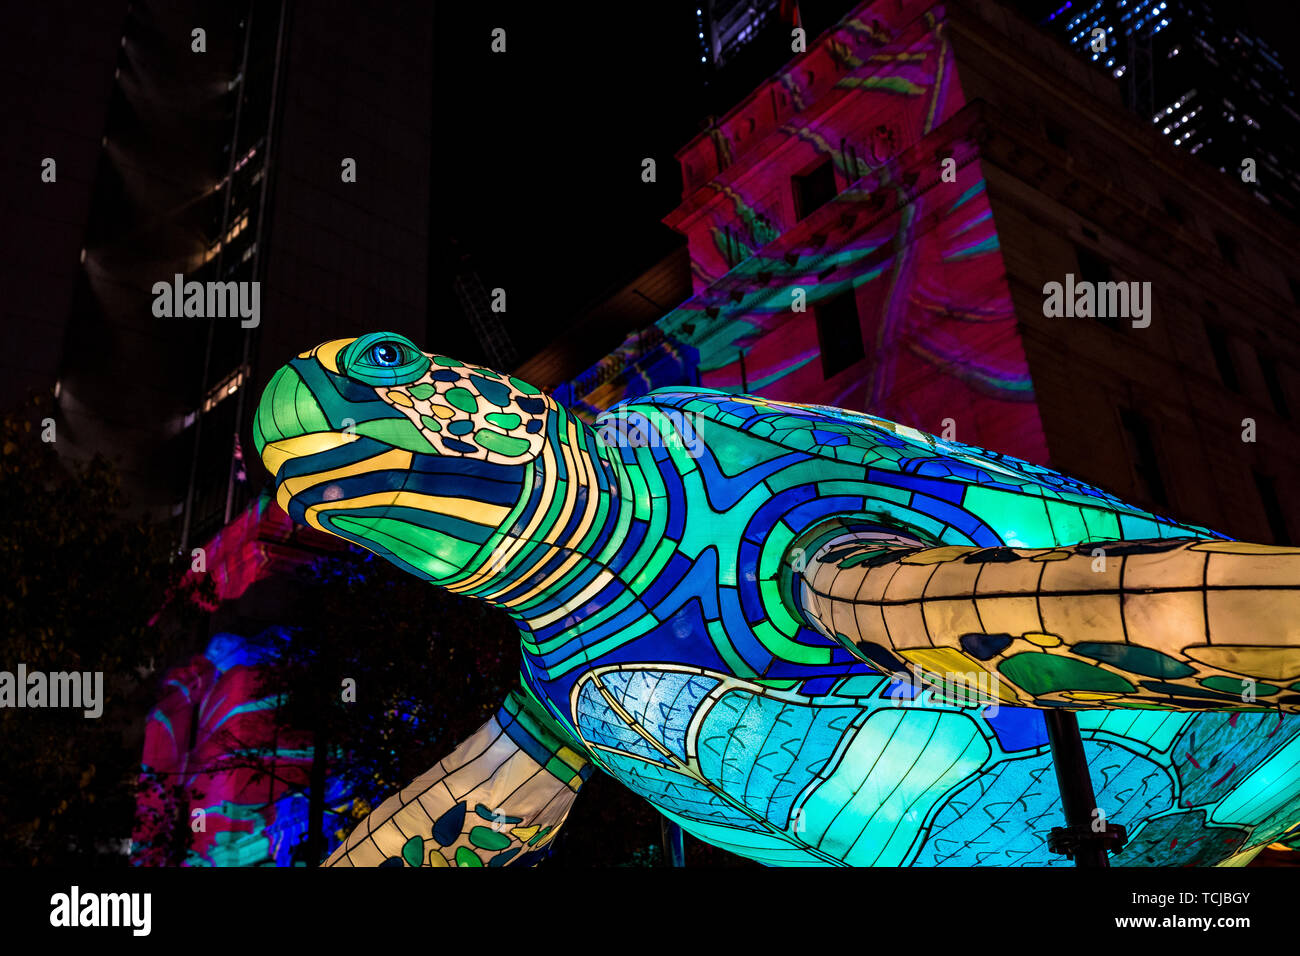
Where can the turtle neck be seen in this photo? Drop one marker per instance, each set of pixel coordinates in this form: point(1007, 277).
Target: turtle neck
point(575, 503)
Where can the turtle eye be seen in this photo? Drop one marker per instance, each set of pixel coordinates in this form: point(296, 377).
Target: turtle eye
point(383, 358)
point(386, 354)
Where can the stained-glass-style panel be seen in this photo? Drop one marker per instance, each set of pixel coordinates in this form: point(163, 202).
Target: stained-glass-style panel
point(806, 634)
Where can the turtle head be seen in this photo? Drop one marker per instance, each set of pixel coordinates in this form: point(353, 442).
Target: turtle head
point(415, 456)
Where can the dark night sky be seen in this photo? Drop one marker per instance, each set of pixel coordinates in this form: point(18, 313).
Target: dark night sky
point(538, 151)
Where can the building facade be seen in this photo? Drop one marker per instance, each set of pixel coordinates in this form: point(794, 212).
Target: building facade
point(877, 226)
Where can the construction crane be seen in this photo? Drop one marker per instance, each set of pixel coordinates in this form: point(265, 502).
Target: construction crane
point(488, 329)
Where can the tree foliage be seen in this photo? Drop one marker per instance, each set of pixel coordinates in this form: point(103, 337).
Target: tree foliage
point(80, 580)
point(430, 667)
point(427, 669)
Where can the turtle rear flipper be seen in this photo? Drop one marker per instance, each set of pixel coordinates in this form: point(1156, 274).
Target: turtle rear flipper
point(1177, 623)
point(498, 799)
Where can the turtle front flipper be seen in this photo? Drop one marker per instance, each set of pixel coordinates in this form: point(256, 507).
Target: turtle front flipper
point(1180, 623)
point(498, 799)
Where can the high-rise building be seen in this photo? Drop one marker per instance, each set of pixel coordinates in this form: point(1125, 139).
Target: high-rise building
point(221, 143)
point(727, 25)
point(743, 41)
point(1202, 77)
point(58, 59)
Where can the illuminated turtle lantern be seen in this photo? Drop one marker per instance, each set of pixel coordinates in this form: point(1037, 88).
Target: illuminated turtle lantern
point(805, 634)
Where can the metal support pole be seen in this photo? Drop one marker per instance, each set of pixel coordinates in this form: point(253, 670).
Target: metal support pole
point(1080, 839)
point(674, 842)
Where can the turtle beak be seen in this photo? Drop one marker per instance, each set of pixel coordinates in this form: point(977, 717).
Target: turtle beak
point(276, 453)
point(290, 423)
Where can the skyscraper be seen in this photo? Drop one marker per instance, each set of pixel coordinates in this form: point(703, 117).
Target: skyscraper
point(727, 25)
point(1211, 84)
point(228, 147)
point(741, 42)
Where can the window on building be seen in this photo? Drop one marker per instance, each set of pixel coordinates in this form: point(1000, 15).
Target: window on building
point(1056, 134)
point(1221, 349)
point(1146, 466)
point(1227, 247)
point(1174, 211)
point(1093, 268)
point(839, 333)
point(1273, 382)
point(852, 171)
point(814, 189)
point(732, 246)
point(1267, 486)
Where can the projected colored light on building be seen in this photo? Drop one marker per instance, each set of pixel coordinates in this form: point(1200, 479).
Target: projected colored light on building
point(214, 738)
